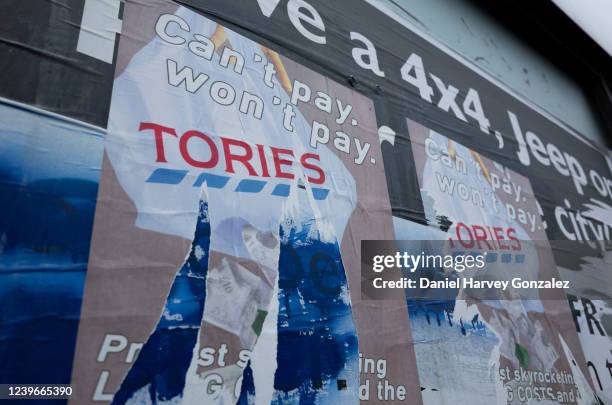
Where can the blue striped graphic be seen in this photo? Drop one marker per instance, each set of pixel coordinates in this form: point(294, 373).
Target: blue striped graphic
point(492, 257)
point(212, 180)
point(250, 186)
point(281, 190)
point(175, 176)
point(320, 193)
point(167, 176)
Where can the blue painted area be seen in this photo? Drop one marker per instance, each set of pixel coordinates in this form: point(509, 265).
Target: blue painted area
point(320, 193)
point(163, 361)
point(49, 174)
point(440, 304)
point(167, 176)
point(247, 391)
point(437, 336)
point(49, 177)
point(315, 324)
point(282, 190)
point(440, 313)
point(212, 180)
point(250, 186)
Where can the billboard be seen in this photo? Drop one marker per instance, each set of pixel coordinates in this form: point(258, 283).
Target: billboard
point(235, 187)
point(510, 347)
point(187, 184)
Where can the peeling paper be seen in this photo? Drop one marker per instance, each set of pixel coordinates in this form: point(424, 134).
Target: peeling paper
point(286, 200)
point(488, 341)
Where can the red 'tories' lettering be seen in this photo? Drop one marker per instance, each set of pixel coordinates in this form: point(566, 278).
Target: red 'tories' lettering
point(255, 158)
point(468, 235)
point(278, 162)
point(262, 159)
point(243, 158)
point(183, 147)
point(499, 235)
point(512, 236)
point(310, 166)
point(480, 234)
point(159, 130)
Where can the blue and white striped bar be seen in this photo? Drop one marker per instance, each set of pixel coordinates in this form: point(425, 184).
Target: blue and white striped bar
point(175, 176)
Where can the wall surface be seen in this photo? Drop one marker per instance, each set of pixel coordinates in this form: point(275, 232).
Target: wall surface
point(467, 30)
